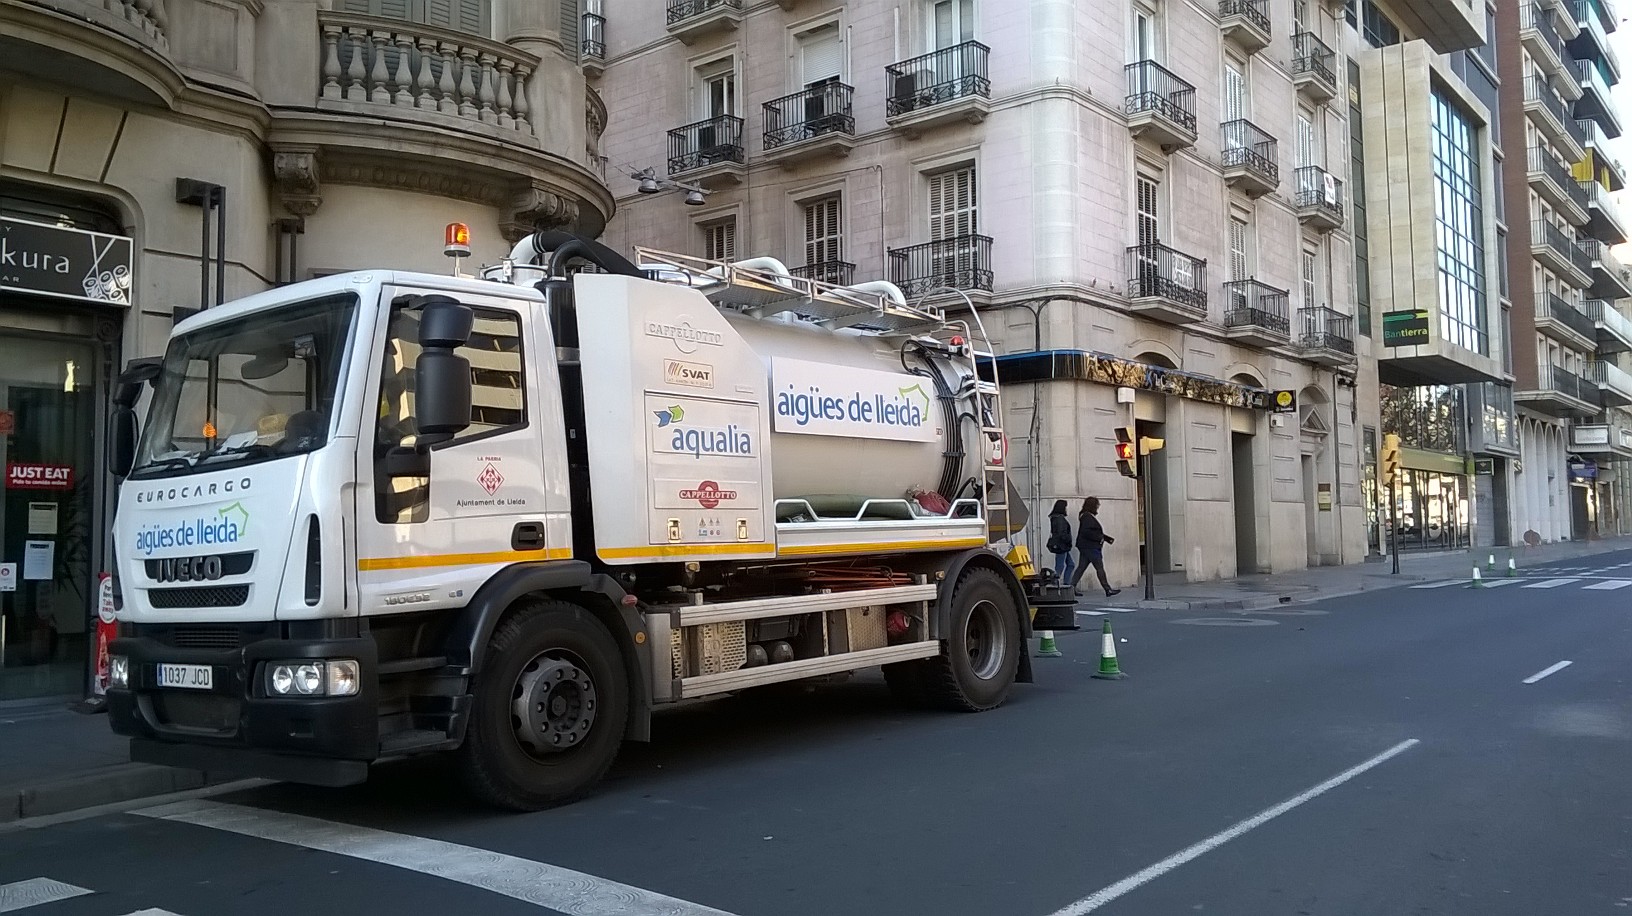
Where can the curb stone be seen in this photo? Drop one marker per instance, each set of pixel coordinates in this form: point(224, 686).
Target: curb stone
point(104, 786)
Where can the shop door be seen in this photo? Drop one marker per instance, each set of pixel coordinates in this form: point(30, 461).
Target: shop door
point(48, 512)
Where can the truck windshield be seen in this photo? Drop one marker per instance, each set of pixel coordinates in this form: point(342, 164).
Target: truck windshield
point(261, 387)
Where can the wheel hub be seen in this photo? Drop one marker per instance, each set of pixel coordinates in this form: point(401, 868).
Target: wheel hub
point(554, 705)
point(984, 638)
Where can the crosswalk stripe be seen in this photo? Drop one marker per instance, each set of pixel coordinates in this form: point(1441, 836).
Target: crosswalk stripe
point(1498, 583)
point(1551, 583)
point(152, 913)
point(20, 895)
point(537, 883)
point(1609, 585)
point(1442, 584)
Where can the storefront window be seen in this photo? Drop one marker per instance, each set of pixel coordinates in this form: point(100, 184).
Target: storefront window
point(48, 415)
point(1429, 417)
point(1433, 511)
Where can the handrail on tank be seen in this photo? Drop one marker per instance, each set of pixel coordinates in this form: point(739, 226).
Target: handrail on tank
point(877, 296)
point(913, 510)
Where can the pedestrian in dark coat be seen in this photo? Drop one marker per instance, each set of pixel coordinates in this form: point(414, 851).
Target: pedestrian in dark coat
point(1059, 542)
point(1091, 541)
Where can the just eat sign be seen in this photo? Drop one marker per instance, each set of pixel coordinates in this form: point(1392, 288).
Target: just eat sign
point(39, 477)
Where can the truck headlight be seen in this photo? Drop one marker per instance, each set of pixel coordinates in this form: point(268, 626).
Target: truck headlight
point(340, 677)
point(119, 672)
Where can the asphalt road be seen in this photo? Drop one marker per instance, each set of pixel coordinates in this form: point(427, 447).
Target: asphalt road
point(1380, 754)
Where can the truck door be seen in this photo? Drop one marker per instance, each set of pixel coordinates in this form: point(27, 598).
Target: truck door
point(434, 524)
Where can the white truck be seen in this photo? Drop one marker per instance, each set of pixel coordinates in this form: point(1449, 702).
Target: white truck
point(381, 514)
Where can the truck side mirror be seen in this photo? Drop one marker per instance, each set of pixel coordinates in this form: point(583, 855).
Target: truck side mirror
point(122, 441)
point(442, 387)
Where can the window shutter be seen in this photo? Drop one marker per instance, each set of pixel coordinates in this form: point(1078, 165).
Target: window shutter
point(1235, 93)
point(822, 241)
point(1238, 249)
point(952, 204)
point(821, 55)
point(1148, 220)
point(459, 15)
point(569, 25)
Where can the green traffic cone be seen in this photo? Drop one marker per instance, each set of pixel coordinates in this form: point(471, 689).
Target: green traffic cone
point(1490, 562)
point(1512, 569)
point(1108, 669)
point(1478, 581)
point(1046, 647)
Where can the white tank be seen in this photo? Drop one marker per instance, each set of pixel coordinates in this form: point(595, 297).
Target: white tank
point(804, 466)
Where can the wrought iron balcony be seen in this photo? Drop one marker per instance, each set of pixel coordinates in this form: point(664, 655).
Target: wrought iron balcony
point(710, 144)
point(946, 85)
point(962, 262)
point(1560, 318)
point(592, 38)
point(1326, 336)
point(1250, 158)
point(1167, 284)
point(1559, 253)
point(690, 20)
point(1318, 196)
point(815, 121)
point(1554, 181)
point(1314, 67)
point(1245, 22)
point(1256, 313)
point(1160, 106)
point(838, 273)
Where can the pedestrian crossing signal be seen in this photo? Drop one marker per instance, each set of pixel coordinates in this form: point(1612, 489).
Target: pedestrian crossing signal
point(1391, 460)
point(1126, 452)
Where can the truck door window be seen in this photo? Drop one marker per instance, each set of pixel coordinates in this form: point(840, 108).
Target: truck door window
point(498, 401)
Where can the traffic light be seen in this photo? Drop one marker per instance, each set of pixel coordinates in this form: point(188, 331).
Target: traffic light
point(1126, 454)
point(1148, 444)
point(1391, 460)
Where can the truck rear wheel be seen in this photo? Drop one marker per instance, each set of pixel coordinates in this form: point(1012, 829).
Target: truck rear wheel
point(551, 705)
point(983, 646)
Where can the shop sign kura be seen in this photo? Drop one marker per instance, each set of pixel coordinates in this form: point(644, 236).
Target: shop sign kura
point(66, 263)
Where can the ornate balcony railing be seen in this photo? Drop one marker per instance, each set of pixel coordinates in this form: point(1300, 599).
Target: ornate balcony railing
point(1326, 329)
point(1253, 11)
point(592, 37)
point(939, 76)
point(704, 143)
point(416, 68)
point(819, 110)
point(962, 262)
point(1154, 88)
point(838, 273)
point(1247, 145)
point(681, 10)
point(1249, 303)
point(1157, 271)
point(1313, 57)
point(1315, 187)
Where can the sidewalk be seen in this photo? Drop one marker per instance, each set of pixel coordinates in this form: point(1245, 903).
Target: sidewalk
point(1256, 592)
point(54, 760)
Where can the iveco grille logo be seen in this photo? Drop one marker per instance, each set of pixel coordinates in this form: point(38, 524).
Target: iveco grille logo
point(187, 569)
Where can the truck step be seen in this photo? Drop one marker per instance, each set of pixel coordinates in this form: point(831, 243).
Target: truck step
point(414, 741)
point(409, 665)
point(743, 678)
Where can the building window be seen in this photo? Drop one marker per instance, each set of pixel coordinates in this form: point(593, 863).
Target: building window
point(1310, 276)
point(1357, 204)
point(1376, 28)
point(464, 16)
point(1239, 230)
point(1461, 232)
point(821, 55)
point(1308, 140)
point(718, 85)
point(1235, 90)
point(952, 204)
point(720, 240)
point(952, 22)
point(823, 243)
point(1147, 219)
point(1145, 41)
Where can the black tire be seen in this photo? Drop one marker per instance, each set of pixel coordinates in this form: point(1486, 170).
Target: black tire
point(567, 665)
point(983, 647)
point(906, 682)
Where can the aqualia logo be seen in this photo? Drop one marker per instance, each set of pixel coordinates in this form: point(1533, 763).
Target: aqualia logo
point(730, 441)
point(227, 526)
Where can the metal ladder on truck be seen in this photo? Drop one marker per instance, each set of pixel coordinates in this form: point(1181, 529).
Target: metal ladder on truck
point(995, 494)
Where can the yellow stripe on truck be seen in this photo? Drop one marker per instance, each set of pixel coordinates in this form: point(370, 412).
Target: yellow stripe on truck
point(422, 561)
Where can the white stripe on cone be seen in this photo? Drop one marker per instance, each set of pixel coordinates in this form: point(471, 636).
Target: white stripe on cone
point(1107, 648)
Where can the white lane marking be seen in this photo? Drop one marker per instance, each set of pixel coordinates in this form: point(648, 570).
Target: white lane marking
point(1547, 671)
point(1100, 898)
point(1497, 583)
point(537, 883)
point(152, 913)
point(1092, 613)
point(1442, 584)
point(1608, 585)
point(21, 895)
point(1551, 583)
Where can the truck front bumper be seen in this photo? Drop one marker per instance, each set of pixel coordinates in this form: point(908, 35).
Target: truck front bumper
point(234, 726)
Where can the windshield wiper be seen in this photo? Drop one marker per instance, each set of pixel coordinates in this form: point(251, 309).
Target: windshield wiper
point(252, 450)
point(162, 463)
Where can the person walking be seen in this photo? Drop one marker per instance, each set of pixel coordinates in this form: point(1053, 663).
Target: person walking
point(1059, 542)
point(1091, 541)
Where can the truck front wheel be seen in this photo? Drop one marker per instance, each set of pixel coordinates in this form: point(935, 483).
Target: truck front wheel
point(551, 705)
point(983, 645)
